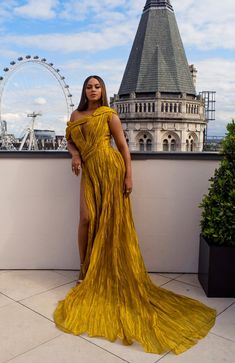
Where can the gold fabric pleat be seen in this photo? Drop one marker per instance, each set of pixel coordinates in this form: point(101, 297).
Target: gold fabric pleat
point(117, 299)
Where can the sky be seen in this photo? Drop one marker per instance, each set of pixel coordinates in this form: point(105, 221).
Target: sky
point(83, 37)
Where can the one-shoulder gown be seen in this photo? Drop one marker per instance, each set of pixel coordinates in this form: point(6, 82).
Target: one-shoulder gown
point(117, 299)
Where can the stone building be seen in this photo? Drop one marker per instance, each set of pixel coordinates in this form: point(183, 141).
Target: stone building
point(157, 101)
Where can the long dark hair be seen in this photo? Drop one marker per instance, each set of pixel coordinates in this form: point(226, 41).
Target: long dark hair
point(83, 104)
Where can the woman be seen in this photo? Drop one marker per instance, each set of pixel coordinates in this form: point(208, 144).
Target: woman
point(115, 297)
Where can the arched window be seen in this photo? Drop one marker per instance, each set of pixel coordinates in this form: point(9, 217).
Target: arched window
point(187, 145)
point(149, 145)
point(175, 107)
point(191, 145)
point(171, 107)
point(141, 144)
point(165, 145)
point(162, 107)
point(180, 108)
point(173, 145)
point(166, 108)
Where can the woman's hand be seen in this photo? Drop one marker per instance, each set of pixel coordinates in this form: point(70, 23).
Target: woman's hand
point(76, 164)
point(127, 186)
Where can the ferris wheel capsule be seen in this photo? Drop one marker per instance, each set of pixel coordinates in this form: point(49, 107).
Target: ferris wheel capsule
point(28, 56)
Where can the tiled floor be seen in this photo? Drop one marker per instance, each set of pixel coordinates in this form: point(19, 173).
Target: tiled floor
point(28, 334)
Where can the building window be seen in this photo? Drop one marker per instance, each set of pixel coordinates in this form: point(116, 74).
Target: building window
point(187, 145)
point(173, 145)
point(165, 145)
point(191, 145)
point(149, 145)
point(141, 144)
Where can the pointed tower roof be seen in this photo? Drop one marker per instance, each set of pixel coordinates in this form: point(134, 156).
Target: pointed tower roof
point(157, 61)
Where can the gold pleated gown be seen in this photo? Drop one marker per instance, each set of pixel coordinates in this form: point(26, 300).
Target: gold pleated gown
point(117, 299)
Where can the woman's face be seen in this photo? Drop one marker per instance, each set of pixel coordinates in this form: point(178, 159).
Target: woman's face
point(93, 90)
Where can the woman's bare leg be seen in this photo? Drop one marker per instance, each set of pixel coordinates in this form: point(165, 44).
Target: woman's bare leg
point(83, 227)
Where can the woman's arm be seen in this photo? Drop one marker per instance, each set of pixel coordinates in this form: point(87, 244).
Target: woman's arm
point(76, 158)
point(118, 134)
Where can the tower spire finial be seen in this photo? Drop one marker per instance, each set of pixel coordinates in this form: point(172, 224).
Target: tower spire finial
point(162, 4)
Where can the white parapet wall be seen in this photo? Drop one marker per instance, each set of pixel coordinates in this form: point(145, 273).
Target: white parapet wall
point(39, 212)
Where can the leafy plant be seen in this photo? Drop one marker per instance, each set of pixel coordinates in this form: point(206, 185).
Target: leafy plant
point(218, 215)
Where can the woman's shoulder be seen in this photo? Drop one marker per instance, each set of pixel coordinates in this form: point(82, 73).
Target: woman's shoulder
point(75, 115)
point(104, 109)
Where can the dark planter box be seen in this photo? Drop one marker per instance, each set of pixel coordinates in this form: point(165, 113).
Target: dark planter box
point(216, 271)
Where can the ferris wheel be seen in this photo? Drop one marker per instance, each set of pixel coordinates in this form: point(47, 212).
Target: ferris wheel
point(32, 86)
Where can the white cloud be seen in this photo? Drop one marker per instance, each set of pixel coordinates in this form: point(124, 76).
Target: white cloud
point(108, 38)
point(206, 25)
point(82, 9)
point(40, 101)
point(37, 9)
point(8, 53)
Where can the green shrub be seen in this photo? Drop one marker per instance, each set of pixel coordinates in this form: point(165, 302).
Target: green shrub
point(218, 206)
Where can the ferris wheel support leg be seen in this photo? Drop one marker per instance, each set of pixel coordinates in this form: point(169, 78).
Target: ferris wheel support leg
point(23, 141)
point(35, 144)
point(30, 141)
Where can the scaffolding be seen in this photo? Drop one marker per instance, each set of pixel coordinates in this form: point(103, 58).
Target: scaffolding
point(209, 101)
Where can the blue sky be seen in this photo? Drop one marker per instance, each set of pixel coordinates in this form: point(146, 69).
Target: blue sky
point(84, 37)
